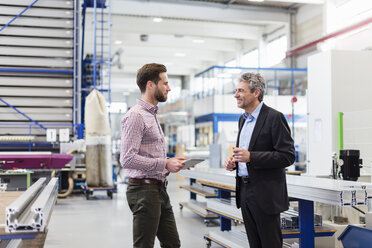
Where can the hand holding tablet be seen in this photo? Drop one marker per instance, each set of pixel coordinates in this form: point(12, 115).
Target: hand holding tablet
point(191, 162)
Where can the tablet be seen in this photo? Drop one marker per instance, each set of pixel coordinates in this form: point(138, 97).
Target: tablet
point(191, 162)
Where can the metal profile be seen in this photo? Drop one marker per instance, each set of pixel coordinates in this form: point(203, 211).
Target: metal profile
point(323, 190)
point(43, 205)
point(31, 211)
point(16, 213)
point(237, 238)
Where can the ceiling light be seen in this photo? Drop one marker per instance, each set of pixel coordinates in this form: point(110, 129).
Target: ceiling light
point(180, 54)
point(118, 42)
point(157, 19)
point(256, 0)
point(198, 41)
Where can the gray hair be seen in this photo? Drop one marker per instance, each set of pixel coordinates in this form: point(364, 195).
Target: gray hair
point(256, 82)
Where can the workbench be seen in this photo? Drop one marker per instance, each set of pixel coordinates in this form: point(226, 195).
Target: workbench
point(304, 190)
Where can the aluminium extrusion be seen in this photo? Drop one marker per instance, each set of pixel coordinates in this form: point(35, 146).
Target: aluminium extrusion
point(42, 207)
point(235, 238)
point(220, 176)
point(31, 211)
point(225, 206)
point(198, 206)
point(323, 190)
point(17, 211)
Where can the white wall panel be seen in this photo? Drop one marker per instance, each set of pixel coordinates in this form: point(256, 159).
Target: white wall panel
point(339, 81)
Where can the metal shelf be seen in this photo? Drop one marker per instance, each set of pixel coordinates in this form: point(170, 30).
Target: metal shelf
point(39, 22)
point(38, 101)
point(37, 114)
point(198, 191)
point(311, 188)
point(36, 81)
point(36, 42)
point(46, 92)
point(36, 52)
point(38, 64)
point(37, 32)
point(37, 12)
point(198, 211)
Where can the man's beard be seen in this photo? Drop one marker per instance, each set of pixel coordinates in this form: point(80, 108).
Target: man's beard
point(159, 96)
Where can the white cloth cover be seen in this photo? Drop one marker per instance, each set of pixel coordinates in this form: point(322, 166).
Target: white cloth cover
point(96, 115)
point(99, 161)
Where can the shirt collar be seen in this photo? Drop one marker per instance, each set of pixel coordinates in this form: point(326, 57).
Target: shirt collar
point(255, 112)
point(148, 106)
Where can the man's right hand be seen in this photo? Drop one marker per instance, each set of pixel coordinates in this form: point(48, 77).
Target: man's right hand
point(230, 164)
point(174, 164)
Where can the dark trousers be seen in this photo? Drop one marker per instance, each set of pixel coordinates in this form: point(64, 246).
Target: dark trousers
point(263, 230)
point(152, 216)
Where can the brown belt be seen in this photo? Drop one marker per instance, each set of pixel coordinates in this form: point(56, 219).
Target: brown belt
point(148, 181)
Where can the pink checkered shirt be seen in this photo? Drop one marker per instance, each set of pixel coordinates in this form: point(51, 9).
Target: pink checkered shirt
point(143, 149)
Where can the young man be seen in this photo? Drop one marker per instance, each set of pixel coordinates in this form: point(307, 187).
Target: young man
point(143, 156)
point(263, 149)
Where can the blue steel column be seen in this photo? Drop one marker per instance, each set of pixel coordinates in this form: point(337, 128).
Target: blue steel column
point(225, 223)
point(192, 194)
point(293, 117)
point(215, 126)
point(95, 44)
point(306, 223)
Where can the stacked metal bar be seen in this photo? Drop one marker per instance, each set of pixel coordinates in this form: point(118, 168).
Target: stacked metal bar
point(323, 190)
point(219, 176)
point(329, 191)
point(31, 211)
point(205, 189)
point(288, 219)
point(225, 206)
point(198, 206)
point(37, 60)
point(236, 239)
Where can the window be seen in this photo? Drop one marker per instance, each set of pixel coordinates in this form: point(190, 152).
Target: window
point(231, 63)
point(250, 59)
point(118, 107)
point(276, 50)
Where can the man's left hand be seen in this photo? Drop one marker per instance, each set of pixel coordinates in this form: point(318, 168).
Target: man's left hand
point(241, 155)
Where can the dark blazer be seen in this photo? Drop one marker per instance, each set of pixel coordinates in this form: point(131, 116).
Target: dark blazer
point(272, 150)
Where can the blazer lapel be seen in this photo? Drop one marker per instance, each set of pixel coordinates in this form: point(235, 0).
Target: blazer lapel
point(241, 123)
point(259, 123)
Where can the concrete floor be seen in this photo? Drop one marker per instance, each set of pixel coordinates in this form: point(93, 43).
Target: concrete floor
point(102, 222)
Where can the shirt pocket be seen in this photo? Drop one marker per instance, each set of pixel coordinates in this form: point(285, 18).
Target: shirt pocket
point(152, 133)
